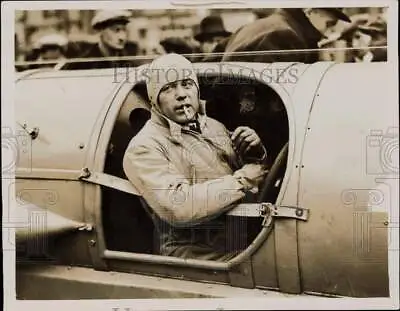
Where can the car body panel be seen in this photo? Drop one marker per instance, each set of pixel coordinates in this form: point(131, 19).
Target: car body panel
point(63, 141)
point(83, 283)
point(343, 247)
point(302, 94)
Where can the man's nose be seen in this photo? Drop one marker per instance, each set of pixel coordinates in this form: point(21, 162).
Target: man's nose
point(121, 36)
point(180, 92)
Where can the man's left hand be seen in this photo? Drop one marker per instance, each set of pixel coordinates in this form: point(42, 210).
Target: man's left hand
point(246, 139)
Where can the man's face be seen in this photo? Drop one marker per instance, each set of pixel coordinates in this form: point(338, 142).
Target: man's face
point(115, 36)
point(179, 101)
point(361, 41)
point(53, 53)
point(322, 19)
point(209, 43)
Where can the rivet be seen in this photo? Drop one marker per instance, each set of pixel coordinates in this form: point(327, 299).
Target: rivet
point(299, 212)
point(386, 223)
point(81, 146)
point(92, 243)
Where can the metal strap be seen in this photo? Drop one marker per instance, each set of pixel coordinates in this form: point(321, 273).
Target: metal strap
point(269, 210)
point(288, 211)
point(247, 210)
point(109, 181)
point(266, 210)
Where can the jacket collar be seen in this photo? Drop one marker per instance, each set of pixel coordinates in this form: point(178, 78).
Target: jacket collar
point(301, 22)
point(174, 128)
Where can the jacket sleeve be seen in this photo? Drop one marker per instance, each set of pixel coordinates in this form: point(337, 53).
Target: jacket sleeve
point(172, 196)
point(279, 39)
point(284, 39)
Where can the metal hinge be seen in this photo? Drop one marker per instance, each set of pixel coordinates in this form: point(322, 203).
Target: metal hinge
point(269, 211)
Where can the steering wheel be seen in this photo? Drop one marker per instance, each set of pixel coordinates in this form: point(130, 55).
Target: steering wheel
point(274, 174)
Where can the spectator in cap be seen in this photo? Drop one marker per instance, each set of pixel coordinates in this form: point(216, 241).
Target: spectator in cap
point(52, 47)
point(113, 41)
point(212, 32)
point(286, 29)
point(49, 48)
point(362, 35)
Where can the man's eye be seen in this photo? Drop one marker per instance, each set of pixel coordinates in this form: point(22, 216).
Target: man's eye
point(187, 83)
point(166, 88)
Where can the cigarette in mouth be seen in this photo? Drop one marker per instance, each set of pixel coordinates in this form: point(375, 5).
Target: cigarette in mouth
point(188, 114)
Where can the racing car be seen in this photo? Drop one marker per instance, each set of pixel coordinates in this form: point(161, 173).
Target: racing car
point(319, 225)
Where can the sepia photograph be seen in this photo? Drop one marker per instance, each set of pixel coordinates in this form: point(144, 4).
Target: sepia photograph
point(158, 151)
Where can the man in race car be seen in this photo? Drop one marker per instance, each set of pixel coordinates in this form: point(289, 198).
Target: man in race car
point(190, 169)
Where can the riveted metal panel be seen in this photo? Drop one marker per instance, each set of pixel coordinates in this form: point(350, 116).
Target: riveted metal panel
point(285, 230)
point(64, 107)
point(343, 247)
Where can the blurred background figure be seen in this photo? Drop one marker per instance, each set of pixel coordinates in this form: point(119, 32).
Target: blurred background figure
point(113, 41)
point(176, 45)
point(362, 34)
point(153, 49)
point(142, 34)
point(49, 48)
point(378, 33)
point(212, 31)
point(286, 29)
point(17, 51)
point(359, 38)
point(339, 37)
point(52, 47)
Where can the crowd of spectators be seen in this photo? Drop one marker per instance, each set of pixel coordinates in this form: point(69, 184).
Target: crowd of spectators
point(280, 36)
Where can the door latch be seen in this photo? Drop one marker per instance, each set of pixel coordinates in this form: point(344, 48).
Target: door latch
point(269, 211)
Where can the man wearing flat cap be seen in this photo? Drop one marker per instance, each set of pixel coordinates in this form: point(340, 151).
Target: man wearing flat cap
point(49, 48)
point(211, 32)
point(284, 30)
point(113, 41)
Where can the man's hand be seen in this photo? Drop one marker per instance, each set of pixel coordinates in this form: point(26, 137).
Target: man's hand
point(250, 176)
point(246, 139)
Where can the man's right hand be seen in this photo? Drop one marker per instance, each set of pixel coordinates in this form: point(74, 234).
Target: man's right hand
point(250, 176)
